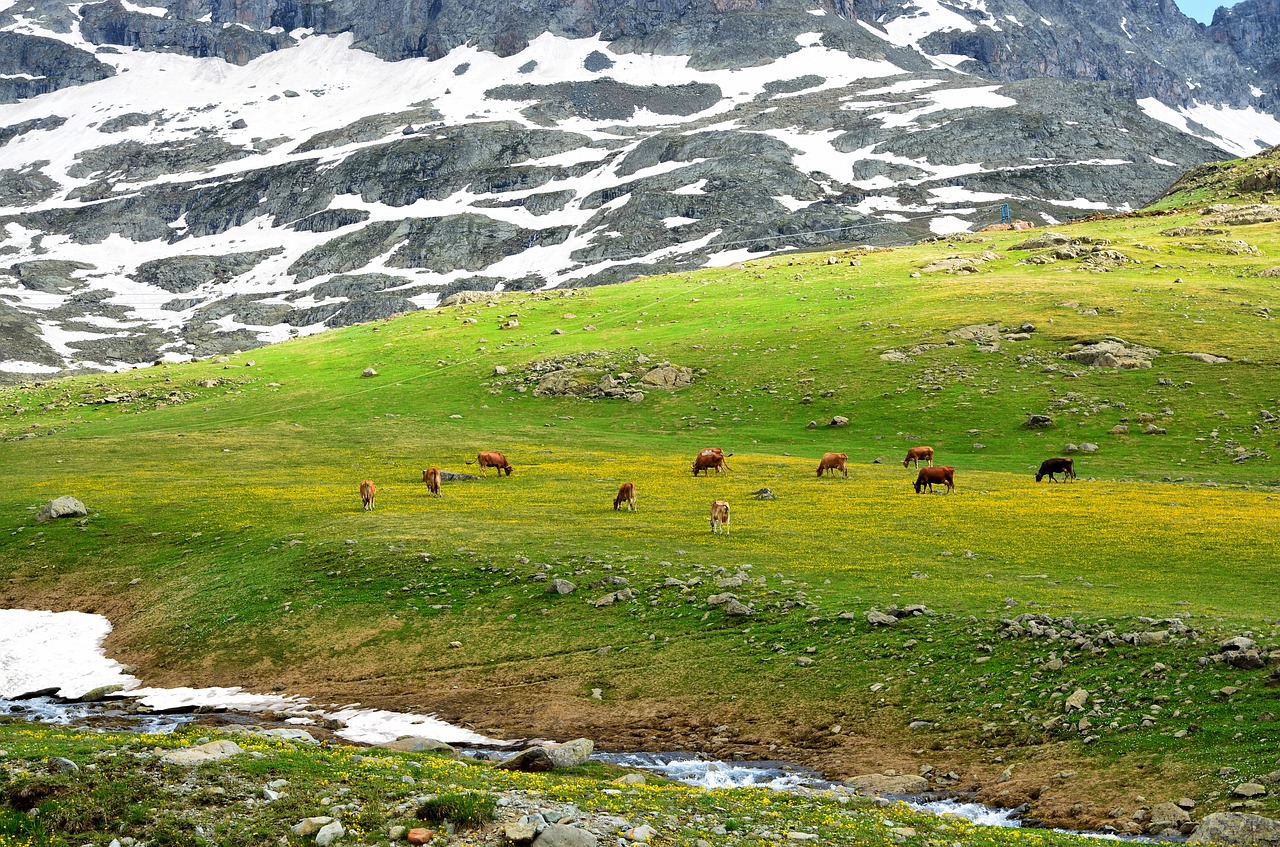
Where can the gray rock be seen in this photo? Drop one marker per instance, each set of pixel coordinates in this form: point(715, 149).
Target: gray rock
point(839, 420)
point(62, 507)
point(880, 618)
point(1237, 829)
point(58, 764)
point(1038, 422)
point(561, 586)
point(1239, 642)
point(1167, 816)
point(522, 831)
point(735, 609)
point(571, 753)
point(1249, 790)
point(532, 760)
point(454, 476)
point(310, 826)
point(368, 372)
point(329, 833)
point(212, 751)
point(417, 744)
point(562, 835)
point(1207, 358)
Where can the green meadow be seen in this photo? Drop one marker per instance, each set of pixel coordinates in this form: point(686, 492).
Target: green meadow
point(227, 542)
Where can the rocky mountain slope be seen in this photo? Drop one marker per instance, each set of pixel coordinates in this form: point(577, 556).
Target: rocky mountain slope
point(199, 176)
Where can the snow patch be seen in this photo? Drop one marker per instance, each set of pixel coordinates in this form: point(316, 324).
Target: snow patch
point(947, 224)
point(1242, 132)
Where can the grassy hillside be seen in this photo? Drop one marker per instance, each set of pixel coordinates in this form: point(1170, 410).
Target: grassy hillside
point(1233, 181)
point(228, 546)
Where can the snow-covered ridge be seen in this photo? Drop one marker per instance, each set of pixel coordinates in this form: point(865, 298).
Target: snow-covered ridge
point(566, 163)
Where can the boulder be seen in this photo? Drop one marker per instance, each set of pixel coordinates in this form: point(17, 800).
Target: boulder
point(839, 420)
point(876, 783)
point(522, 831)
point(532, 760)
point(62, 507)
point(454, 476)
point(329, 833)
point(1207, 358)
point(668, 377)
point(570, 754)
point(1237, 829)
point(420, 835)
point(1249, 790)
point(561, 586)
point(464, 298)
point(879, 618)
point(735, 609)
point(310, 826)
point(1167, 816)
point(1042, 241)
point(562, 835)
point(203, 753)
point(1038, 421)
point(416, 744)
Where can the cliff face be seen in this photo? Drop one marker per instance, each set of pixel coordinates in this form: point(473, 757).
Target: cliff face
point(196, 176)
point(1252, 30)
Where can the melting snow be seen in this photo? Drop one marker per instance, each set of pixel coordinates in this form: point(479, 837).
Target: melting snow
point(1243, 132)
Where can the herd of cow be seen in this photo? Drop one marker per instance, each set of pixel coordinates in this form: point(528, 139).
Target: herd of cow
point(713, 458)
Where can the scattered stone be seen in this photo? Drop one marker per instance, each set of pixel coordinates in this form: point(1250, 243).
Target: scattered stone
point(1249, 789)
point(1111, 354)
point(1038, 422)
point(58, 764)
point(736, 609)
point(639, 834)
point(878, 618)
point(368, 372)
point(1207, 358)
point(1119, 429)
point(1076, 702)
point(839, 420)
point(522, 831)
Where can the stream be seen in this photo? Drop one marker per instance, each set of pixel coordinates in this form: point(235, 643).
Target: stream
point(53, 670)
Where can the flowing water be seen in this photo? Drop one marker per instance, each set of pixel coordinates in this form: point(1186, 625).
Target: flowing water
point(50, 661)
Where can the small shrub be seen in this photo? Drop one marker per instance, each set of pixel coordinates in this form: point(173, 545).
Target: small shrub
point(462, 809)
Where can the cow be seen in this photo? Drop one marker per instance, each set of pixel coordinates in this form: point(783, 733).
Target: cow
point(720, 516)
point(930, 476)
point(709, 458)
point(626, 494)
point(367, 493)
point(1049, 467)
point(492, 459)
point(832, 462)
point(431, 476)
point(915, 454)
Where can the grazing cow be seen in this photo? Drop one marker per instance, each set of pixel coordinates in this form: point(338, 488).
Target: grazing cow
point(832, 462)
point(626, 494)
point(709, 458)
point(915, 454)
point(431, 476)
point(720, 517)
point(929, 476)
point(367, 493)
point(1049, 467)
point(492, 459)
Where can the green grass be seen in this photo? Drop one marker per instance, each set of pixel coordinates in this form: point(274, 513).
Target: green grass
point(228, 546)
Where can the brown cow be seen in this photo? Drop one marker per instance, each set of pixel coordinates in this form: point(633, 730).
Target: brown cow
point(492, 459)
point(832, 462)
point(626, 494)
point(929, 476)
point(709, 458)
point(915, 454)
point(367, 493)
point(1049, 467)
point(720, 516)
point(431, 476)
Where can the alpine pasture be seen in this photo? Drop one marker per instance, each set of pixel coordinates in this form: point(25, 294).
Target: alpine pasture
point(228, 544)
